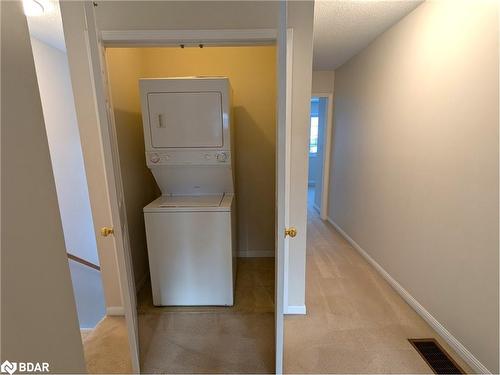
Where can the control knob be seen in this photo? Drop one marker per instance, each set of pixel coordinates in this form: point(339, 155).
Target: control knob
point(155, 158)
point(221, 156)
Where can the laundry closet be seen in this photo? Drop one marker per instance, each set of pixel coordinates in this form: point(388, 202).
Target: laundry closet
point(196, 132)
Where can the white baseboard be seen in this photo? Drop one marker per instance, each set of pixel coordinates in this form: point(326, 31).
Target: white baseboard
point(295, 310)
point(256, 254)
point(115, 311)
point(461, 350)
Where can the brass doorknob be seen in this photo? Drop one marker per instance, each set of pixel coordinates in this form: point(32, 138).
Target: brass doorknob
point(291, 232)
point(106, 231)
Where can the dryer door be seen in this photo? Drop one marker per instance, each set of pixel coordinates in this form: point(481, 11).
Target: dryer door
point(185, 119)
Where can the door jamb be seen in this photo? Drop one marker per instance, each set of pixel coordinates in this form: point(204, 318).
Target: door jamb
point(98, 76)
point(327, 151)
point(288, 166)
point(129, 38)
point(163, 38)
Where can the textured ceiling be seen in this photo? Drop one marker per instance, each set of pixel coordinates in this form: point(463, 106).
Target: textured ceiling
point(48, 27)
point(342, 28)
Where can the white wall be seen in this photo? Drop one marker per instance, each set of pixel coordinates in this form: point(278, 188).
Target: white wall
point(65, 150)
point(415, 166)
point(38, 318)
point(313, 166)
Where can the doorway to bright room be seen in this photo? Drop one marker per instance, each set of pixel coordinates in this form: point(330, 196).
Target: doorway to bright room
point(319, 134)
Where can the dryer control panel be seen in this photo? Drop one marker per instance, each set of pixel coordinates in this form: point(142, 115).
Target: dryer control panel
point(188, 157)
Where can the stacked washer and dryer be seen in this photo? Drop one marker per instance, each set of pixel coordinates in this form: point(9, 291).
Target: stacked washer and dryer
point(191, 228)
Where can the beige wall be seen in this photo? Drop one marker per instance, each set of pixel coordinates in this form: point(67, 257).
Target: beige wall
point(322, 81)
point(251, 71)
point(190, 15)
point(38, 317)
point(415, 165)
point(139, 188)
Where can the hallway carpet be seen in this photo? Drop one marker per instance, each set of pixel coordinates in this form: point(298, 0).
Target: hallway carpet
point(355, 322)
point(106, 347)
point(237, 339)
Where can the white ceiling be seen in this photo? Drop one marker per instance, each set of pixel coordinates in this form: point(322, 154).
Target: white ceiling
point(342, 28)
point(48, 27)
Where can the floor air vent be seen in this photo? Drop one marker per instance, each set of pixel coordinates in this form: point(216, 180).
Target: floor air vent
point(435, 356)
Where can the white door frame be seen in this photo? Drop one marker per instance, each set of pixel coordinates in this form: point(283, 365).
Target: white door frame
point(163, 38)
point(327, 151)
point(283, 168)
point(145, 38)
point(105, 116)
point(288, 161)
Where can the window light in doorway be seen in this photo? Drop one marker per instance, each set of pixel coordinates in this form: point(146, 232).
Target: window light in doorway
point(313, 140)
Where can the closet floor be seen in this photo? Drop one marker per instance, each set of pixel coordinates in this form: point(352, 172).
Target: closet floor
point(236, 339)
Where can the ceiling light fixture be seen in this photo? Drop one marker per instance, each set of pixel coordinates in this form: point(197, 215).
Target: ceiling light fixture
point(33, 8)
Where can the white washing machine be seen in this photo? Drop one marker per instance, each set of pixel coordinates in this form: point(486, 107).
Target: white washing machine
point(191, 228)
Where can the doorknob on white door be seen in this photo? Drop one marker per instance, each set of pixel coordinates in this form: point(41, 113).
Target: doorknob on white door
point(290, 232)
point(106, 231)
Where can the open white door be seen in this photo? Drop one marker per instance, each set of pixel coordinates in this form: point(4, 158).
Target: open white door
point(283, 129)
point(113, 182)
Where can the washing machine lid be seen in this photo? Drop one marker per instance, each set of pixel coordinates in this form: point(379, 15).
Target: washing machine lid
point(213, 200)
point(225, 205)
point(194, 180)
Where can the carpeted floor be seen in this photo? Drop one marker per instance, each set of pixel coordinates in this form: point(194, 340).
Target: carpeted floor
point(355, 322)
point(237, 339)
point(106, 347)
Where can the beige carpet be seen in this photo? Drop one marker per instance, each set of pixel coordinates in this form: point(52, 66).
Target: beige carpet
point(237, 339)
point(106, 347)
point(355, 322)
